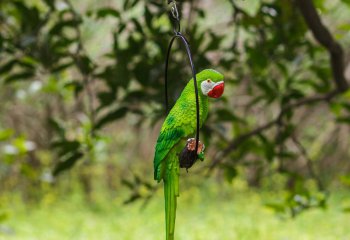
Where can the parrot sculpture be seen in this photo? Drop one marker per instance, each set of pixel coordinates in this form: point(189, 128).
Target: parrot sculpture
point(177, 127)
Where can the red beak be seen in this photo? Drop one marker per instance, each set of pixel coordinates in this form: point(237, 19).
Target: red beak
point(217, 90)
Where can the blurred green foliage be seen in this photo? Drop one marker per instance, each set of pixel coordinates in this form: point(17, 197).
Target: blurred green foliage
point(239, 215)
point(82, 85)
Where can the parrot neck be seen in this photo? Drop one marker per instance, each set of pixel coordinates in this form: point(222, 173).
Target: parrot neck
point(203, 100)
point(203, 104)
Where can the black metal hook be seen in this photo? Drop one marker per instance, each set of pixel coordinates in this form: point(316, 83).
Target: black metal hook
point(175, 16)
point(184, 41)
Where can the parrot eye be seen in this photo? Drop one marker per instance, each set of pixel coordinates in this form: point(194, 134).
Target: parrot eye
point(206, 86)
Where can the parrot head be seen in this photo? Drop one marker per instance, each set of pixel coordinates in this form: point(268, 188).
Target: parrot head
point(211, 83)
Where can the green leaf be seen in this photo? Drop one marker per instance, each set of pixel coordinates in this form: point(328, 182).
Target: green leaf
point(283, 69)
point(129, 184)
point(285, 133)
point(66, 146)
point(126, 4)
point(226, 115)
point(156, 4)
point(346, 209)
point(336, 108)
point(133, 4)
point(343, 120)
point(133, 198)
point(110, 117)
point(29, 17)
point(84, 65)
point(6, 134)
point(346, 106)
point(106, 12)
point(58, 28)
point(62, 67)
point(269, 91)
point(347, 2)
point(106, 98)
point(57, 126)
point(345, 179)
point(286, 155)
point(137, 26)
point(277, 207)
point(214, 43)
point(121, 27)
point(76, 85)
point(3, 216)
point(28, 62)
point(136, 96)
point(201, 13)
point(50, 3)
point(68, 163)
point(19, 76)
point(142, 73)
point(268, 147)
point(230, 173)
point(148, 18)
point(6, 67)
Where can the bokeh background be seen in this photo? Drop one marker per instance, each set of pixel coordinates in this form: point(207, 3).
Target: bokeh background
point(82, 104)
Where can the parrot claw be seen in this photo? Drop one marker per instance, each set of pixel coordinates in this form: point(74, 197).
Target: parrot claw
point(188, 156)
point(191, 145)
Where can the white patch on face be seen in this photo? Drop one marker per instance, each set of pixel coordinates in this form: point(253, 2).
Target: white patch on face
point(206, 86)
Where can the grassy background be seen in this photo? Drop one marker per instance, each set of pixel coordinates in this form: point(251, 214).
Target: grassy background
point(231, 212)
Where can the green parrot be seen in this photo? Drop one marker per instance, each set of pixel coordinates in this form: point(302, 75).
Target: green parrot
point(177, 127)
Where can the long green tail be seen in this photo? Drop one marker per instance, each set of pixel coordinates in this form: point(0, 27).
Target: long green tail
point(171, 192)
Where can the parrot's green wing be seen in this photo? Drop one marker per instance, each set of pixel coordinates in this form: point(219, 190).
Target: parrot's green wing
point(175, 128)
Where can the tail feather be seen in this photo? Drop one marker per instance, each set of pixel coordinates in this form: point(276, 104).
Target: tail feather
point(171, 192)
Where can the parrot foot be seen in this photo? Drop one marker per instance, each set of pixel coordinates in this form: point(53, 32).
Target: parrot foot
point(188, 156)
point(191, 145)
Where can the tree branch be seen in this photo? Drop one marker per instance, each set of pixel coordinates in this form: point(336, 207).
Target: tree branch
point(323, 36)
point(234, 144)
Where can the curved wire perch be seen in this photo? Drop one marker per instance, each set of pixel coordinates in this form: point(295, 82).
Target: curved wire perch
point(178, 34)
